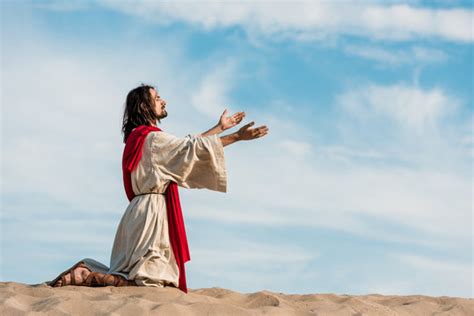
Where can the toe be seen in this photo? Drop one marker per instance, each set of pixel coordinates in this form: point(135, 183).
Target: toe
point(67, 279)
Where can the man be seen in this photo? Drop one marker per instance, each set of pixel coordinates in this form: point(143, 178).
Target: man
point(150, 246)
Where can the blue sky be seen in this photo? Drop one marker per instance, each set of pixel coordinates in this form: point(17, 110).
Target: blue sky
point(364, 184)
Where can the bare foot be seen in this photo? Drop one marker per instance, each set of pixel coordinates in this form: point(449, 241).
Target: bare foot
point(80, 274)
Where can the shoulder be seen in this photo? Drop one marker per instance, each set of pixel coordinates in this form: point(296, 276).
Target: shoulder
point(158, 138)
point(160, 135)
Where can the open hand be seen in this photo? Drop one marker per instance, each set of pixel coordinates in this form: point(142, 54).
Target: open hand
point(248, 133)
point(227, 122)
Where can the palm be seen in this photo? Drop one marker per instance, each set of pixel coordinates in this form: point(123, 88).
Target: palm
point(227, 122)
point(248, 133)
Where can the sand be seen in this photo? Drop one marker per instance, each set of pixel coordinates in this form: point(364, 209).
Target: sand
point(40, 299)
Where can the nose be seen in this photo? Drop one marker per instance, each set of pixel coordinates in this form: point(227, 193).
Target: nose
point(163, 102)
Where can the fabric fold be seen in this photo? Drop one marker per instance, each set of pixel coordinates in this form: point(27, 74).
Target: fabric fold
point(177, 232)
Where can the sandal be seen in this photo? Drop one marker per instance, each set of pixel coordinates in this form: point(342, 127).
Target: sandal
point(62, 276)
point(95, 279)
point(117, 280)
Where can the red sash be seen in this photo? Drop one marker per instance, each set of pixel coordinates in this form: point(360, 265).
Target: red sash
point(179, 243)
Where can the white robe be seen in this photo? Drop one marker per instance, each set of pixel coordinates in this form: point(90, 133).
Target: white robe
point(142, 251)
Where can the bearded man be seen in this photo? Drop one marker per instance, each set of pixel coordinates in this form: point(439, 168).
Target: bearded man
point(150, 246)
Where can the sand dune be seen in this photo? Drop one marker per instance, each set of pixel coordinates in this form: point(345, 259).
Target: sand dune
point(40, 299)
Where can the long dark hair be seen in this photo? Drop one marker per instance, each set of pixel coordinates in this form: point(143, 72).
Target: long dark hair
point(138, 110)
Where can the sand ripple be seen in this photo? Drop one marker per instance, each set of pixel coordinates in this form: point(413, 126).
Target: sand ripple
point(40, 299)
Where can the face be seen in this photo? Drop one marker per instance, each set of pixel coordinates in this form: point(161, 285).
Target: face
point(159, 104)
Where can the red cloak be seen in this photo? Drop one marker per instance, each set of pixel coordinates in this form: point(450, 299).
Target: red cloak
point(179, 243)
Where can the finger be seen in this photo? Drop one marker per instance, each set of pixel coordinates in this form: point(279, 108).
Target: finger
point(224, 113)
point(258, 135)
point(249, 124)
point(256, 132)
point(239, 115)
point(261, 129)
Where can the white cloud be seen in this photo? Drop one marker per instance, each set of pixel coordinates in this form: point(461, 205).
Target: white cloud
point(62, 5)
point(252, 266)
point(344, 153)
point(331, 185)
point(426, 263)
point(61, 146)
point(468, 140)
point(424, 54)
point(309, 20)
point(413, 55)
point(455, 276)
point(296, 148)
point(63, 136)
point(411, 186)
point(360, 200)
point(68, 172)
point(245, 253)
point(408, 106)
point(210, 97)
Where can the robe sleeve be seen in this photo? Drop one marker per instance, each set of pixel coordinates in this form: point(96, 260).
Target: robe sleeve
point(191, 162)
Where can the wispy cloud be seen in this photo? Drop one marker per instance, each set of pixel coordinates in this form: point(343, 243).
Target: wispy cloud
point(424, 262)
point(430, 271)
point(408, 106)
point(251, 265)
point(295, 147)
point(211, 95)
point(392, 164)
point(409, 178)
point(245, 253)
point(63, 5)
point(70, 124)
point(395, 57)
point(311, 20)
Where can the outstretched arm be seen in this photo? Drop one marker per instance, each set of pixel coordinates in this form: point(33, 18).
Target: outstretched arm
point(225, 122)
point(245, 133)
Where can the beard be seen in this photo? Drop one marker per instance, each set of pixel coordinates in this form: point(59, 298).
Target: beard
point(163, 115)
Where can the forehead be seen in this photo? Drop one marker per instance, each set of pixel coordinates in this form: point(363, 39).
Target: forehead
point(153, 92)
